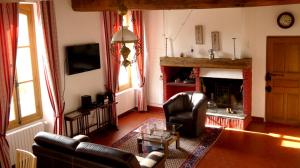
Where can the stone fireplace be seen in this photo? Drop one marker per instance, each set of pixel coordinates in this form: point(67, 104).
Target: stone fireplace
point(228, 81)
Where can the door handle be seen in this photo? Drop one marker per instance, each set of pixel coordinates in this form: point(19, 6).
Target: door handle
point(268, 88)
point(268, 76)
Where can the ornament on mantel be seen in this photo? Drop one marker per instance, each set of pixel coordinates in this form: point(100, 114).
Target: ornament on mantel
point(192, 52)
point(211, 54)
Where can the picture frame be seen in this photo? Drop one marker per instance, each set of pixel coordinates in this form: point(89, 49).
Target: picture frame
point(199, 34)
point(215, 40)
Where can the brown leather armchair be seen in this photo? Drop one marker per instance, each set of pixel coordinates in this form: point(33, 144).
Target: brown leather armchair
point(188, 109)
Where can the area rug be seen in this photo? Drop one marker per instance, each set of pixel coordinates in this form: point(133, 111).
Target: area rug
point(191, 150)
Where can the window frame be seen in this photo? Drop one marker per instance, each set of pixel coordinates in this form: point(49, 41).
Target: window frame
point(129, 83)
point(28, 10)
point(126, 22)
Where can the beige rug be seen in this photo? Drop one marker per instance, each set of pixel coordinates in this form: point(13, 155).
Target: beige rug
point(190, 153)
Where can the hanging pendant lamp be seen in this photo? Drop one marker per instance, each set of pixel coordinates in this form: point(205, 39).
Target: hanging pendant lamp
point(124, 36)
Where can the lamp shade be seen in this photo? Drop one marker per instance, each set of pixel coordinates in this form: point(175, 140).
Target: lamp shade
point(124, 36)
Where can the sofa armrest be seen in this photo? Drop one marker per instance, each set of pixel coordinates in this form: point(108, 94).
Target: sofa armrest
point(55, 142)
point(200, 107)
point(166, 109)
point(173, 105)
point(154, 160)
point(81, 138)
point(199, 115)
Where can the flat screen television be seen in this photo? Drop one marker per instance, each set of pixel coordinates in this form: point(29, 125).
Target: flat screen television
point(82, 58)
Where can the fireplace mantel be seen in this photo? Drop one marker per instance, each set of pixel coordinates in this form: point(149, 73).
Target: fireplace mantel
point(225, 63)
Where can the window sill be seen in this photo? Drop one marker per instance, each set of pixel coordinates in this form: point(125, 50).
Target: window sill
point(20, 128)
point(124, 91)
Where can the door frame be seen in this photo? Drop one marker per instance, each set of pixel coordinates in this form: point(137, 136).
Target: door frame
point(267, 53)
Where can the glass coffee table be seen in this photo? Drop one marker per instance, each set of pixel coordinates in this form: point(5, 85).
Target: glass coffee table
point(158, 134)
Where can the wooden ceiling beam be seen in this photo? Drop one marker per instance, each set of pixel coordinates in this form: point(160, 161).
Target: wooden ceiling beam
point(251, 3)
point(100, 5)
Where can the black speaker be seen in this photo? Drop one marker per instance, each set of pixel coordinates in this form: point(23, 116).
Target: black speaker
point(86, 101)
point(100, 99)
point(109, 96)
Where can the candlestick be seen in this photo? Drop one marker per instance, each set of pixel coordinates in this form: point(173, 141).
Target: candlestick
point(166, 46)
point(234, 56)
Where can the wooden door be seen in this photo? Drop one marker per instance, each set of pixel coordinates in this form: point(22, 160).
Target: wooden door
point(283, 80)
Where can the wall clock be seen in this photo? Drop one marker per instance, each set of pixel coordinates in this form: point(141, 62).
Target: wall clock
point(285, 20)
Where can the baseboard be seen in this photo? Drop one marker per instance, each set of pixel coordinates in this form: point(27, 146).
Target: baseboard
point(258, 119)
point(150, 108)
point(127, 112)
point(155, 108)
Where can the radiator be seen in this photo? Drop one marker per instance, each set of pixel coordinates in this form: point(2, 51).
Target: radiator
point(23, 138)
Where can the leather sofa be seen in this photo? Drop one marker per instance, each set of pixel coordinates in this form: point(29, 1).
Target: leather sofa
point(189, 109)
point(56, 151)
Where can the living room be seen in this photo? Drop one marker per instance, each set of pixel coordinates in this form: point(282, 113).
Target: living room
point(249, 26)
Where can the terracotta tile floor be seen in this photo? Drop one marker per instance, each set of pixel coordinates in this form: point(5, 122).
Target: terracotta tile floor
point(262, 145)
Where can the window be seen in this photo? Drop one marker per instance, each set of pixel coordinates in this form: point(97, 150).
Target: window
point(26, 102)
point(125, 72)
point(124, 76)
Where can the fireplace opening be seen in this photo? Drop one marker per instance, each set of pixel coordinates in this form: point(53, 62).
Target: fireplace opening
point(224, 95)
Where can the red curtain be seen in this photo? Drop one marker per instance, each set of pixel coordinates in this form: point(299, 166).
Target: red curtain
point(137, 20)
point(51, 66)
point(111, 24)
point(8, 52)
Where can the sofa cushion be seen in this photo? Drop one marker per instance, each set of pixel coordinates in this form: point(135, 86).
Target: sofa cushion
point(151, 160)
point(106, 155)
point(81, 138)
point(54, 141)
point(183, 116)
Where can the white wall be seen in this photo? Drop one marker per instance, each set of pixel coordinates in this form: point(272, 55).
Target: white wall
point(76, 28)
point(261, 22)
point(227, 21)
point(79, 28)
point(250, 26)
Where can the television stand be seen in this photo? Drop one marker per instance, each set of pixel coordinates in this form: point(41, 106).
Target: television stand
point(84, 125)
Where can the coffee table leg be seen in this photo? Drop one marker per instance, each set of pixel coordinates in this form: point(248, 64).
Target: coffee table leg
point(139, 145)
point(166, 149)
point(178, 142)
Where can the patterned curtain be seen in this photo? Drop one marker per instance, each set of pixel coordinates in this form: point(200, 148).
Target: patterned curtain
point(111, 24)
point(51, 66)
point(137, 20)
point(8, 51)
